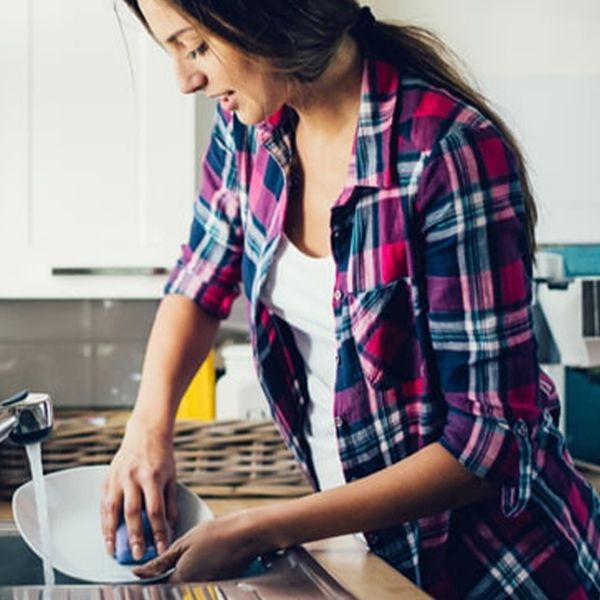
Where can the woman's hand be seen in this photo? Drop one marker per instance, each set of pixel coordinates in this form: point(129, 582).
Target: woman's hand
point(218, 549)
point(141, 475)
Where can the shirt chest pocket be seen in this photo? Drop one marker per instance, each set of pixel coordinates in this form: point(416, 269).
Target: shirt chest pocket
point(383, 326)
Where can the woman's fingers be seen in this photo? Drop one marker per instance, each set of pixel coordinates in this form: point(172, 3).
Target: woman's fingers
point(155, 509)
point(141, 479)
point(171, 502)
point(110, 511)
point(132, 510)
point(127, 499)
point(159, 565)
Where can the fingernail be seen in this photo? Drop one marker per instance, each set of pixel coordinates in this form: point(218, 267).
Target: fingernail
point(110, 549)
point(161, 547)
point(136, 550)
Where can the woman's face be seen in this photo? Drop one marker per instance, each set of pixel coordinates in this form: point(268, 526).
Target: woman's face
point(205, 62)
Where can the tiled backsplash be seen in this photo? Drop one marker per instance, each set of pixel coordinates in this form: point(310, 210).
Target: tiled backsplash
point(85, 353)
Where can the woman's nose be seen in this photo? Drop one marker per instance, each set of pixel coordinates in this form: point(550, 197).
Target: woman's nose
point(189, 77)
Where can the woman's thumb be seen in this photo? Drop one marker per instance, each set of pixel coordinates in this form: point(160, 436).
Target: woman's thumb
point(160, 564)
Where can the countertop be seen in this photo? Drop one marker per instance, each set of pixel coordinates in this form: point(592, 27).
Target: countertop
point(345, 557)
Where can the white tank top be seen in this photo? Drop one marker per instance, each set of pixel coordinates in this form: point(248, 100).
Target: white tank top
point(298, 290)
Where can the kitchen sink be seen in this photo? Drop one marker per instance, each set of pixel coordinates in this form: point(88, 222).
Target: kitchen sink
point(289, 575)
point(20, 566)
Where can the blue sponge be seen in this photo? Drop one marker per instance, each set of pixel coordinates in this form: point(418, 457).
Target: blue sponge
point(123, 549)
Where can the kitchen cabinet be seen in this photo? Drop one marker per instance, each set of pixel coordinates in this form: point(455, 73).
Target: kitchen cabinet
point(97, 152)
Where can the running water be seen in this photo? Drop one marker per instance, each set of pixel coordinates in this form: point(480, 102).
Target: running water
point(34, 454)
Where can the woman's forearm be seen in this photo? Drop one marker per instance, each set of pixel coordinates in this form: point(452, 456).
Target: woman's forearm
point(181, 337)
point(429, 481)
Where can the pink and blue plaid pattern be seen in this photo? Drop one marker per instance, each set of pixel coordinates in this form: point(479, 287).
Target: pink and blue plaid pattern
point(433, 330)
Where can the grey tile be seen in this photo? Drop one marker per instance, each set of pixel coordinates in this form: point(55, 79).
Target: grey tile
point(62, 369)
point(85, 353)
point(123, 319)
point(38, 320)
point(117, 372)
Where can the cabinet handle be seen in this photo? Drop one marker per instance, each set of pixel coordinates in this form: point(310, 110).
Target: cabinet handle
point(109, 271)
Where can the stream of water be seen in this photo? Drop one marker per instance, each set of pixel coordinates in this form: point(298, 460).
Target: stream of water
point(34, 455)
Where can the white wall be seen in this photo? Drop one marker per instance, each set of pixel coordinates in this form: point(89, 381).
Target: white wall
point(539, 63)
point(97, 152)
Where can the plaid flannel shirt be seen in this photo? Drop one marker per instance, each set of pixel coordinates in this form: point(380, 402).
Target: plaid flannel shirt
point(433, 330)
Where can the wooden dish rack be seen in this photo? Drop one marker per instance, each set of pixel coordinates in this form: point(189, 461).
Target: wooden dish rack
point(217, 458)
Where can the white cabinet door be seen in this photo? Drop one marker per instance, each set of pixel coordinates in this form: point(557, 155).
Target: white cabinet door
point(14, 133)
point(97, 144)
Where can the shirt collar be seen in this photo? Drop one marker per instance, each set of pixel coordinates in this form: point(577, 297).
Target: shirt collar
point(373, 155)
point(373, 149)
point(276, 133)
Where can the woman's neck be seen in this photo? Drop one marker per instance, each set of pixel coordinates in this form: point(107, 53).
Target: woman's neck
point(329, 105)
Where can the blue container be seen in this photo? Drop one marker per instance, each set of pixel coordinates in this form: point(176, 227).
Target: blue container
point(582, 418)
point(579, 261)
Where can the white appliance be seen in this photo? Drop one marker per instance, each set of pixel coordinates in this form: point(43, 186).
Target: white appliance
point(238, 392)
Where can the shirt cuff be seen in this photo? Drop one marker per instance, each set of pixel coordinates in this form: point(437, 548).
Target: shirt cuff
point(213, 287)
point(496, 450)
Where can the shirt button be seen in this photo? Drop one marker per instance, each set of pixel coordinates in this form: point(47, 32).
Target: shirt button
point(522, 428)
point(338, 359)
point(337, 295)
point(339, 422)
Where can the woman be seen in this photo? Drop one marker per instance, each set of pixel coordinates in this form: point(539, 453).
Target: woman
point(376, 215)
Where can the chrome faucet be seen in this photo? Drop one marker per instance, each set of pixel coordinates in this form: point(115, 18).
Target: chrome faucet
point(26, 417)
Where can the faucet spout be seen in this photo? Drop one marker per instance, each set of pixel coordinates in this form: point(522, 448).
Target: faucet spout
point(26, 418)
point(7, 424)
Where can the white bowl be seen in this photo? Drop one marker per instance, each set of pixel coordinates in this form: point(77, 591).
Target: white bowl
point(77, 544)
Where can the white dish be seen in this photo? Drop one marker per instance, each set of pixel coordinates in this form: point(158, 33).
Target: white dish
point(77, 544)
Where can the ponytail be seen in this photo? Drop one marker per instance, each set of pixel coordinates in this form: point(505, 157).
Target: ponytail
point(419, 52)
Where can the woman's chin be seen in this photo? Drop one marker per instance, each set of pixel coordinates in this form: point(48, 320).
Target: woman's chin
point(249, 116)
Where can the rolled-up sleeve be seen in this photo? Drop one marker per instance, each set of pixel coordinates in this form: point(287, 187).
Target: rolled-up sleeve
point(208, 270)
point(477, 278)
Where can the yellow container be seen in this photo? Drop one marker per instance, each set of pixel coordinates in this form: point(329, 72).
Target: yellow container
point(198, 401)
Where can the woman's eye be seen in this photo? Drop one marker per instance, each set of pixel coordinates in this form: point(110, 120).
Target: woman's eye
point(199, 51)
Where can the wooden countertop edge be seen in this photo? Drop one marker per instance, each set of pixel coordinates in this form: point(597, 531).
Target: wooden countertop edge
point(5, 512)
point(361, 572)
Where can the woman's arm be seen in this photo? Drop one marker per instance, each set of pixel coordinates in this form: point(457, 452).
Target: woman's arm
point(429, 481)
point(181, 337)
point(142, 472)
point(425, 483)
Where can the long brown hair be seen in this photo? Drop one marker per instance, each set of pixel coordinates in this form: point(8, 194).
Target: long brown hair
point(300, 38)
